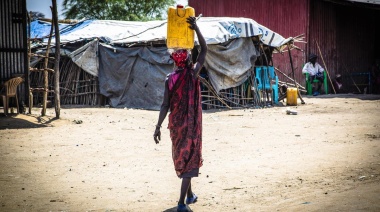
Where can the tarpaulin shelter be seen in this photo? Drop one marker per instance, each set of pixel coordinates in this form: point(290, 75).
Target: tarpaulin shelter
point(41, 29)
point(131, 60)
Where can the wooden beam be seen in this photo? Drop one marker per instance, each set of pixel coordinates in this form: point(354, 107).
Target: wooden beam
point(57, 98)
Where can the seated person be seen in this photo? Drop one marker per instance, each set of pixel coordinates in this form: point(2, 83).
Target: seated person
point(315, 72)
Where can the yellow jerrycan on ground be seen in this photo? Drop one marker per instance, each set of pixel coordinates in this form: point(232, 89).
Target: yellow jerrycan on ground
point(291, 96)
point(179, 35)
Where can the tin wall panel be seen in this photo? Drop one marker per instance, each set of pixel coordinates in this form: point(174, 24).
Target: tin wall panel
point(13, 42)
point(289, 18)
point(12, 37)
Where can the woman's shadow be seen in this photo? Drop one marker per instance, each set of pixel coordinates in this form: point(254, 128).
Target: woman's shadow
point(174, 209)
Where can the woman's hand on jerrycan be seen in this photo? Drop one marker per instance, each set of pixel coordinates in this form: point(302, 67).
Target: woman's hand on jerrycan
point(192, 21)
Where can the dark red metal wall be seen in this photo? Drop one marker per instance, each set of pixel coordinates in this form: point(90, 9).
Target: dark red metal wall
point(356, 34)
point(289, 18)
point(346, 32)
point(323, 33)
point(346, 36)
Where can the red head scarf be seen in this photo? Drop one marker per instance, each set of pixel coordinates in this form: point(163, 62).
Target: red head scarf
point(180, 58)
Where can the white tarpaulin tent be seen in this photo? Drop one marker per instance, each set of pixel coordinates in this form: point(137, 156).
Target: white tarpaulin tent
point(215, 30)
point(126, 51)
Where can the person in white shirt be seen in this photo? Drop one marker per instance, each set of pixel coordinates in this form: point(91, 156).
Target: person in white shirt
point(315, 72)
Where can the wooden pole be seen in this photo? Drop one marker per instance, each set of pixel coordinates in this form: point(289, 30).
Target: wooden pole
point(347, 72)
point(291, 84)
point(289, 78)
point(46, 74)
point(204, 81)
point(30, 105)
point(291, 65)
point(332, 85)
point(294, 79)
point(57, 102)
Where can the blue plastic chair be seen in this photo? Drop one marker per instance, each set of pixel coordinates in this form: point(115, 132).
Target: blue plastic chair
point(267, 80)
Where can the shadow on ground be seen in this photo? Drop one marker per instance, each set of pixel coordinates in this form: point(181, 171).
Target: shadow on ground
point(22, 121)
point(174, 209)
point(348, 96)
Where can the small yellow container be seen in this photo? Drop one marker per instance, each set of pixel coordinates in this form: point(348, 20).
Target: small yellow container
point(179, 35)
point(291, 96)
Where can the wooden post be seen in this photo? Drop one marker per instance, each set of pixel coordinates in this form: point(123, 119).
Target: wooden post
point(46, 74)
point(294, 79)
point(289, 78)
point(348, 73)
point(204, 81)
point(320, 53)
point(30, 105)
point(57, 102)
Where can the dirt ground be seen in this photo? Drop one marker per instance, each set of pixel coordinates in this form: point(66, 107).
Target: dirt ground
point(325, 158)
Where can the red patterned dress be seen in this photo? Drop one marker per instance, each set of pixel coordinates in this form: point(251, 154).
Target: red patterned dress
point(185, 121)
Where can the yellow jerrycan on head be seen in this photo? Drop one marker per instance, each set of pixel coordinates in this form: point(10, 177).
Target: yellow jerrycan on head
point(179, 35)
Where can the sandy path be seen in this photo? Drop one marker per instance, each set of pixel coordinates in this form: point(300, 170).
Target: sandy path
point(325, 158)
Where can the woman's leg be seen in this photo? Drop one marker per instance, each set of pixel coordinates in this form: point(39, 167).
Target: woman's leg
point(186, 181)
point(189, 191)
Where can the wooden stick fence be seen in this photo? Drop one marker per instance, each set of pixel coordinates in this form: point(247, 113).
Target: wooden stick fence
point(245, 95)
point(76, 86)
